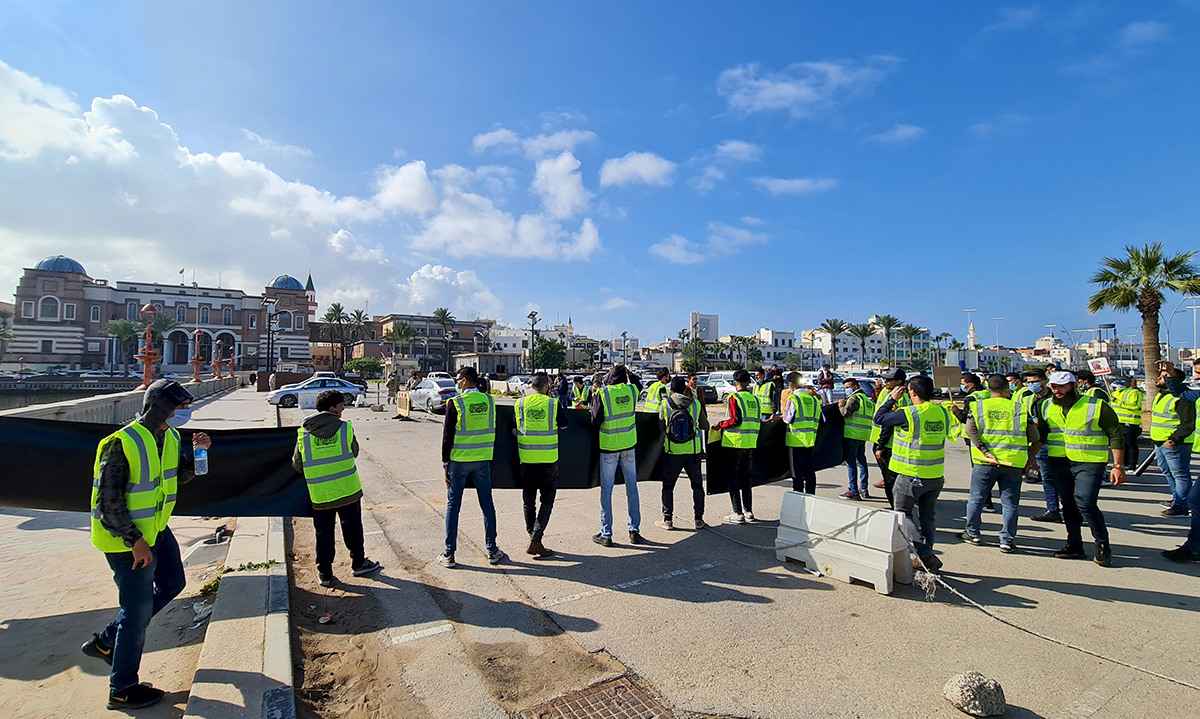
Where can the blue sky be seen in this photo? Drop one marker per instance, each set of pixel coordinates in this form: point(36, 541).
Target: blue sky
point(622, 163)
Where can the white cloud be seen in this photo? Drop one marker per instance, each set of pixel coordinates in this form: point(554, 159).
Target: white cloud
point(559, 184)
point(800, 186)
point(679, 250)
point(723, 240)
point(613, 303)
point(501, 138)
point(277, 148)
point(898, 134)
point(542, 145)
point(739, 151)
point(1014, 18)
point(406, 189)
point(803, 88)
point(1137, 34)
point(706, 180)
point(343, 243)
point(752, 221)
point(646, 168)
point(562, 117)
point(998, 125)
point(496, 179)
point(433, 286)
point(36, 118)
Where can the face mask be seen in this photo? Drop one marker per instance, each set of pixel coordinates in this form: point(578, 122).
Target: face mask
point(1012, 387)
point(1035, 387)
point(180, 418)
point(964, 389)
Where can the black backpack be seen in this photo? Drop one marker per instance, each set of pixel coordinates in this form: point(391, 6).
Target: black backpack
point(681, 428)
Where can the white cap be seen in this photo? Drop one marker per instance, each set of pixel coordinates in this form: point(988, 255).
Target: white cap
point(1061, 378)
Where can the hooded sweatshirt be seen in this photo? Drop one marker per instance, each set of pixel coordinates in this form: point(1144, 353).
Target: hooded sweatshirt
point(326, 425)
point(158, 403)
point(681, 401)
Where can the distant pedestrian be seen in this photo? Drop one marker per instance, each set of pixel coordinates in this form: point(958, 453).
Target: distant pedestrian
point(825, 384)
point(538, 420)
point(802, 415)
point(739, 437)
point(658, 389)
point(468, 440)
point(393, 387)
point(613, 415)
point(325, 451)
point(684, 426)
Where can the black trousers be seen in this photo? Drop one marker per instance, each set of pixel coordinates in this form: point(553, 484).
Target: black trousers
point(1131, 432)
point(737, 475)
point(804, 473)
point(350, 517)
point(672, 465)
point(884, 460)
point(537, 478)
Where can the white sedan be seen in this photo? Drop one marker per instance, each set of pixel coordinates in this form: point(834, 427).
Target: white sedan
point(293, 394)
point(432, 394)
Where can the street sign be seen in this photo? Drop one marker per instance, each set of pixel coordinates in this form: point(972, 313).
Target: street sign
point(1099, 365)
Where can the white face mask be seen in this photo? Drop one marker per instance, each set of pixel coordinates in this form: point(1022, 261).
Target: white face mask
point(180, 418)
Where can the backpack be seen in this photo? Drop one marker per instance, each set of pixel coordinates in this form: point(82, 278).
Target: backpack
point(681, 428)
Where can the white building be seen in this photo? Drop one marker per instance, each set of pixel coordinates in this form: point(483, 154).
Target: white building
point(850, 349)
point(706, 327)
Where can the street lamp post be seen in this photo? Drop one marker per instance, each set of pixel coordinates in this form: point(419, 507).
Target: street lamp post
point(997, 320)
point(148, 356)
point(533, 320)
point(625, 348)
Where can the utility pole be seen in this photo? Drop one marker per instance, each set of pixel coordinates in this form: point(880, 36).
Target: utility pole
point(533, 320)
point(997, 320)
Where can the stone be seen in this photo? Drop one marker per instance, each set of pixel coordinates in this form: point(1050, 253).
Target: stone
point(975, 694)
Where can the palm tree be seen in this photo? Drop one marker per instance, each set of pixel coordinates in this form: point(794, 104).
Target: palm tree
point(956, 345)
point(909, 333)
point(402, 334)
point(1137, 281)
point(444, 318)
point(834, 327)
point(887, 323)
point(125, 331)
point(862, 333)
point(335, 319)
point(939, 340)
point(359, 325)
point(162, 325)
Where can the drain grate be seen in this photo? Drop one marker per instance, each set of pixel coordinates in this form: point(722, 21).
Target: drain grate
point(616, 699)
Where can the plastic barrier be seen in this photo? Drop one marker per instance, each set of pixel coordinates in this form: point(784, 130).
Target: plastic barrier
point(403, 404)
point(844, 540)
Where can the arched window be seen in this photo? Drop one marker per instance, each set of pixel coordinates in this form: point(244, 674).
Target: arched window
point(181, 313)
point(253, 322)
point(95, 313)
point(48, 308)
point(131, 311)
point(203, 315)
point(284, 320)
point(227, 316)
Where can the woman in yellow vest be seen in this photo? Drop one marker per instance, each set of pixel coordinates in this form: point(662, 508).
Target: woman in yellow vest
point(1127, 399)
point(135, 478)
point(468, 439)
point(325, 452)
point(538, 419)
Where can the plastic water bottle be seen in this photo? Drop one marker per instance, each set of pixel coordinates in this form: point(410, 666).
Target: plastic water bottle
point(201, 461)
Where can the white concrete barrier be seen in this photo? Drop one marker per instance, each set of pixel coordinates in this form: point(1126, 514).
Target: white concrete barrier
point(116, 408)
point(844, 540)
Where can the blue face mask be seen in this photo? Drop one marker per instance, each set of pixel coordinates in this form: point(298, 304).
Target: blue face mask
point(1035, 387)
point(1012, 387)
point(180, 418)
point(964, 389)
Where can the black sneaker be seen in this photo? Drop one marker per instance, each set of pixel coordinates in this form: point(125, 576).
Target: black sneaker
point(970, 538)
point(1103, 554)
point(328, 580)
point(96, 648)
point(1167, 504)
point(1054, 517)
point(1174, 511)
point(636, 538)
point(366, 568)
point(1007, 548)
point(134, 697)
point(602, 540)
point(1182, 554)
point(1069, 552)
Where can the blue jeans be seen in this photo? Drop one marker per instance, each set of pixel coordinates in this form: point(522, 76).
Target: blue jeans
point(983, 478)
point(608, 479)
point(481, 474)
point(1078, 486)
point(142, 593)
point(1175, 464)
point(1043, 463)
point(856, 458)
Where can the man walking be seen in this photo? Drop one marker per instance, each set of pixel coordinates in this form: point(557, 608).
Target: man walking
point(1078, 432)
point(135, 478)
point(857, 409)
point(613, 415)
point(684, 426)
point(1189, 551)
point(802, 414)
point(468, 440)
point(1127, 399)
point(325, 452)
point(882, 437)
point(739, 437)
point(1171, 427)
point(538, 420)
point(1002, 438)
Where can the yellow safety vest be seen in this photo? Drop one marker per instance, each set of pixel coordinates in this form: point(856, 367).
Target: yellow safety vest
point(858, 425)
point(1127, 403)
point(802, 430)
point(537, 429)
point(1077, 434)
point(654, 396)
point(150, 492)
point(582, 395)
point(919, 449)
point(1003, 428)
point(763, 393)
point(1165, 419)
point(475, 432)
point(329, 469)
point(744, 435)
point(877, 430)
point(618, 430)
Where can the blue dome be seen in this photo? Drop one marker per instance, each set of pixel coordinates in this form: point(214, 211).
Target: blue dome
point(285, 282)
point(60, 263)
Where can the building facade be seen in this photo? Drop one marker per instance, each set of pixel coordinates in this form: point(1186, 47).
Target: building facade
point(706, 327)
point(434, 347)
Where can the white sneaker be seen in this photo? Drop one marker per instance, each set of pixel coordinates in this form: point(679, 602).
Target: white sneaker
point(447, 561)
point(734, 518)
point(748, 515)
point(496, 556)
point(665, 524)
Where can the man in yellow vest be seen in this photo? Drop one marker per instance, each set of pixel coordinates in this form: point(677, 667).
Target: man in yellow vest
point(1127, 399)
point(658, 390)
point(1088, 387)
point(1172, 425)
point(857, 410)
point(739, 437)
point(1039, 387)
point(1003, 443)
point(325, 452)
point(581, 393)
point(802, 415)
point(134, 483)
point(1189, 551)
point(1078, 432)
point(538, 418)
point(468, 439)
point(613, 416)
point(685, 429)
point(764, 390)
point(881, 437)
point(918, 459)
point(972, 388)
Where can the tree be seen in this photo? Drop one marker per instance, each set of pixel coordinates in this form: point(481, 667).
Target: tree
point(401, 334)
point(754, 356)
point(956, 345)
point(909, 333)
point(334, 327)
point(366, 367)
point(887, 323)
point(919, 360)
point(793, 361)
point(444, 318)
point(358, 325)
point(862, 333)
point(549, 354)
point(125, 331)
point(834, 327)
point(1138, 281)
point(161, 326)
point(604, 345)
point(939, 359)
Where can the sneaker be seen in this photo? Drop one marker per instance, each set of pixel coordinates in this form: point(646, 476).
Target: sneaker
point(537, 549)
point(748, 516)
point(447, 561)
point(1174, 511)
point(970, 538)
point(1048, 517)
point(366, 568)
point(864, 494)
point(1103, 554)
point(98, 649)
point(602, 540)
point(1168, 504)
point(929, 564)
point(327, 580)
point(1007, 548)
point(989, 508)
point(1069, 552)
point(848, 495)
point(665, 524)
point(496, 556)
point(734, 518)
point(700, 524)
point(134, 697)
point(636, 538)
point(1182, 554)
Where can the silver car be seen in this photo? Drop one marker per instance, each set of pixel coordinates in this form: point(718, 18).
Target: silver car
point(432, 394)
point(306, 392)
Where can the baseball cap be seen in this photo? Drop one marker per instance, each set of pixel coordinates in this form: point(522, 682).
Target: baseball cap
point(894, 373)
point(1061, 378)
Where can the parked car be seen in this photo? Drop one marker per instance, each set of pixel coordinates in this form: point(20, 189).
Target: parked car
point(519, 385)
point(291, 395)
point(722, 387)
point(439, 375)
point(432, 394)
point(708, 393)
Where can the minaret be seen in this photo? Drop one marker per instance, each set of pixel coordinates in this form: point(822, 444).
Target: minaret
point(311, 293)
point(971, 337)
